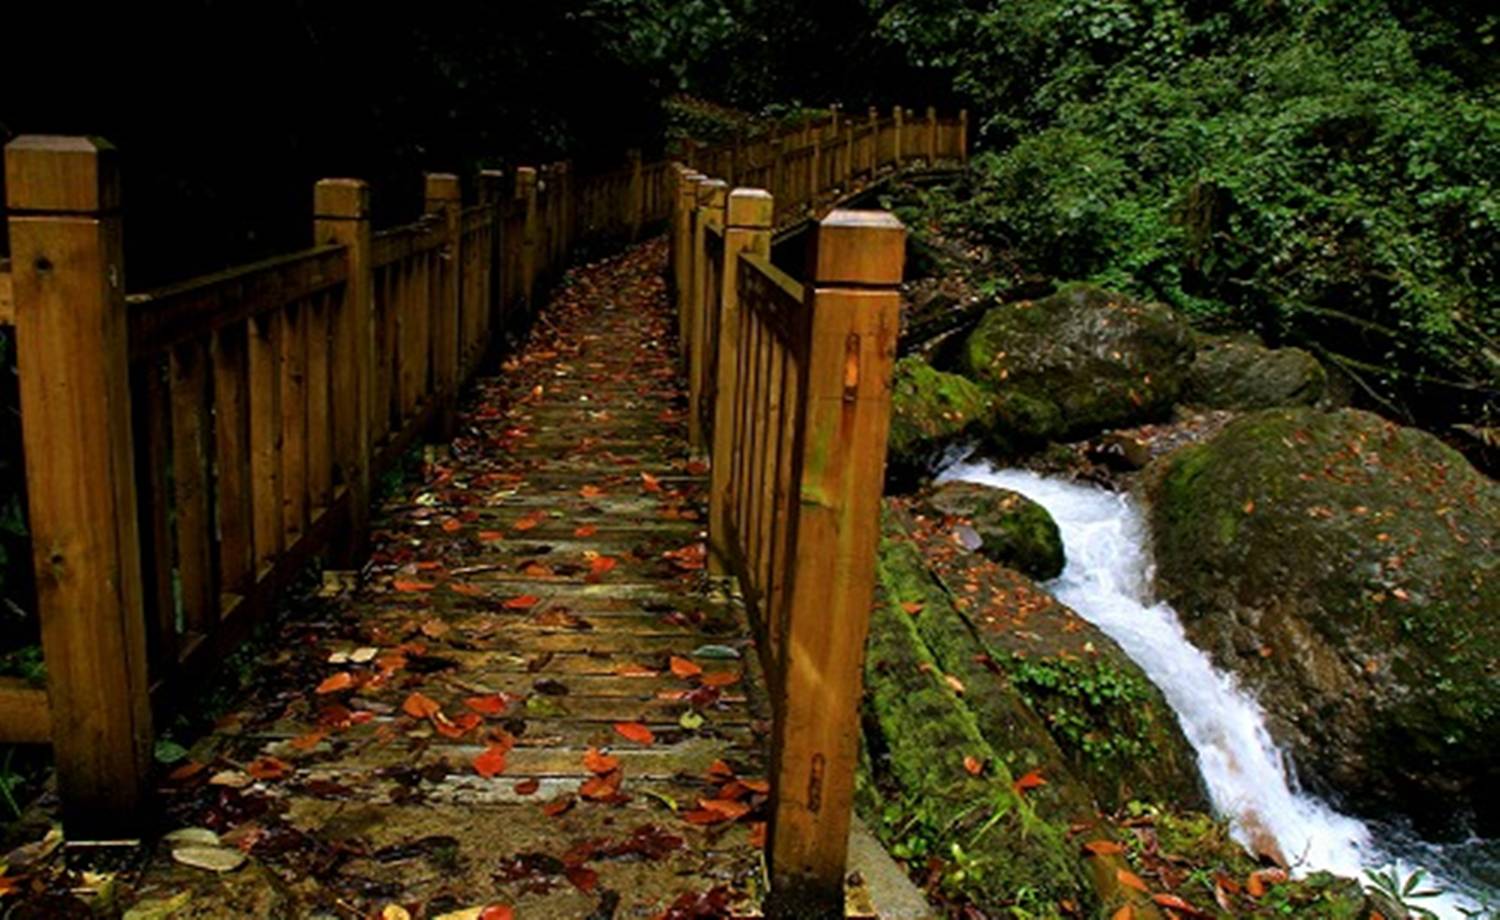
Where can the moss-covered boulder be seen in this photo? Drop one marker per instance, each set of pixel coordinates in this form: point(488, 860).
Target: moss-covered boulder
point(1245, 375)
point(1078, 362)
point(1348, 570)
point(1013, 530)
point(930, 411)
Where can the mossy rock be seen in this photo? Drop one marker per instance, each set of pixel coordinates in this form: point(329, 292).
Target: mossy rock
point(1247, 375)
point(1348, 570)
point(1080, 361)
point(931, 411)
point(1117, 734)
point(1015, 530)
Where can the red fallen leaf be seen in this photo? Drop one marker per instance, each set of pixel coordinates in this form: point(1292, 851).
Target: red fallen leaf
point(524, 602)
point(530, 521)
point(187, 771)
point(491, 762)
point(591, 491)
point(1178, 904)
point(635, 731)
point(599, 763)
point(1254, 887)
point(734, 789)
point(497, 912)
point(721, 679)
point(719, 771)
point(558, 806)
point(731, 809)
point(343, 680)
point(684, 668)
point(758, 786)
point(703, 816)
point(490, 536)
point(602, 565)
point(758, 834)
point(650, 483)
point(1029, 781)
point(308, 741)
point(1131, 880)
point(973, 765)
point(582, 877)
point(466, 589)
point(636, 670)
point(269, 768)
point(452, 524)
point(1125, 913)
point(1227, 883)
point(601, 788)
point(458, 726)
point(527, 786)
point(1103, 847)
point(913, 607)
point(408, 585)
point(585, 531)
point(429, 565)
point(419, 706)
point(696, 468)
point(490, 705)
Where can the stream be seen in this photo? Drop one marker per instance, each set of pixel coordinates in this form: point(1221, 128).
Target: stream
point(1107, 580)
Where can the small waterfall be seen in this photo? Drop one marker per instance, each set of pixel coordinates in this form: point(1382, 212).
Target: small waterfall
point(1107, 580)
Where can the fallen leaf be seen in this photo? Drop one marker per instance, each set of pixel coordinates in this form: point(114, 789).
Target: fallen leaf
point(684, 668)
point(1173, 902)
point(1125, 913)
point(585, 531)
point(269, 768)
point(491, 762)
point(973, 764)
point(582, 877)
point(419, 706)
point(591, 491)
point(492, 704)
point(1029, 781)
point(635, 731)
point(721, 679)
point(1131, 880)
point(309, 740)
point(403, 584)
point(650, 483)
point(599, 763)
point(527, 786)
point(490, 536)
point(558, 806)
point(524, 602)
point(343, 680)
point(913, 607)
point(954, 684)
point(214, 859)
point(601, 788)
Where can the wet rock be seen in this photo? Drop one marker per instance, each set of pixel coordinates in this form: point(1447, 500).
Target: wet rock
point(1246, 375)
point(1012, 529)
point(930, 412)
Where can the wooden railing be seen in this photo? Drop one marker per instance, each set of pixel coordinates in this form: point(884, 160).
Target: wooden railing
point(189, 450)
point(790, 394)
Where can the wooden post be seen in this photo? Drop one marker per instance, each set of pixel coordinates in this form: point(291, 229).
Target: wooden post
point(636, 203)
point(846, 167)
point(815, 172)
point(687, 201)
point(963, 135)
point(778, 170)
point(713, 196)
point(855, 271)
point(747, 228)
point(341, 214)
point(491, 191)
point(898, 116)
point(442, 200)
point(874, 158)
point(526, 194)
point(932, 134)
point(68, 279)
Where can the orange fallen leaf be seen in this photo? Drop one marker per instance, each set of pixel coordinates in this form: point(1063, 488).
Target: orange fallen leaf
point(187, 771)
point(684, 669)
point(497, 912)
point(650, 483)
point(524, 602)
point(458, 726)
point(601, 788)
point(758, 786)
point(466, 589)
point(308, 741)
point(558, 806)
point(721, 679)
point(490, 536)
point(591, 491)
point(635, 731)
point(269, 768)
point(1131, 880)
point(758, 834)
point(636, 670)
point(343, 680)
point(719, 771)
point(409, 585)
point(452, 524)
point(491, 762)
point(731, 809)
point(419, 706)
point(1125, 913)
point(704, 816)
point(492, 704)
point(973, 765)
point(1029, 781)
point(1173, 902)
point(913, 607)
point(599, 763)
point(1103, 847)
point(585, 531)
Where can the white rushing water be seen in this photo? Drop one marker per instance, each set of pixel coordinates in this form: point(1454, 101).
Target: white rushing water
point(1107, 580)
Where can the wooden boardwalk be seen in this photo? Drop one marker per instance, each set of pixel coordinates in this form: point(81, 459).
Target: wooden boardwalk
point(532, 699)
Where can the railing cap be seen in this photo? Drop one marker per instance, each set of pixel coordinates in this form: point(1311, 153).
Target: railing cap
point(48, 172)
point(441, 186)
point(750, 208)
point(859, 247)
point(713, 193)
point(341, 199)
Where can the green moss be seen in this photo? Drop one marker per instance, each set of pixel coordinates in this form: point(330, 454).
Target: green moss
point(930, 410)
point(1015, 530)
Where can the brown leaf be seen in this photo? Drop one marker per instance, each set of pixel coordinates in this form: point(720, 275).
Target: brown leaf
point(582, 877)
point(558, 806)
point(527, 786)
point(269, 768)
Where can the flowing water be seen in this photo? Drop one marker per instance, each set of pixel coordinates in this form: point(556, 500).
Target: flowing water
point(1107, 580)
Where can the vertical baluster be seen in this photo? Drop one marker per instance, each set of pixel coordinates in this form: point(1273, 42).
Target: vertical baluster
point(188, 383)
point(228, 354)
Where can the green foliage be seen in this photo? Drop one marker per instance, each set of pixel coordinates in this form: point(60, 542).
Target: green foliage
point(1321, 173)
point(1082, 702)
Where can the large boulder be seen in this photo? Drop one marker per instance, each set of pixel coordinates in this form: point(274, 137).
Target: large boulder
point(1348, 570)
point(930, 411)
point(1009, 528)
point(1078, 362)
point(1246, 375)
